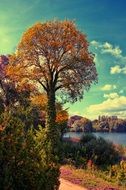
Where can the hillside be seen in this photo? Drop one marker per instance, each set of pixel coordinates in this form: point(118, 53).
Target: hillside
point(102, 124)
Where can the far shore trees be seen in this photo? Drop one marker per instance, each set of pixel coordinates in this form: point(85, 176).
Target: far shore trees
point(54, 56)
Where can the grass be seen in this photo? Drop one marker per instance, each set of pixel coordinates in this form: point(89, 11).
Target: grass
point(92, 180)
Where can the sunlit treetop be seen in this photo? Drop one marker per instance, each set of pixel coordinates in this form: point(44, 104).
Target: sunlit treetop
point(55, 55)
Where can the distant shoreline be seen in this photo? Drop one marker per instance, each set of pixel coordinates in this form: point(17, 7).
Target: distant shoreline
point(110, 124)
point(114, 137)
point(96, 131)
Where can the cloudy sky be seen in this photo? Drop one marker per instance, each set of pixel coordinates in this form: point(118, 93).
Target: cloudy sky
point(104, 23)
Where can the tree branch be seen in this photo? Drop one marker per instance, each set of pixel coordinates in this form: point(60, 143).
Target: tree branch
point(58, 87)
point(45, 88)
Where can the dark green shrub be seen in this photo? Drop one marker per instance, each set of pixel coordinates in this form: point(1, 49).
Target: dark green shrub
point(23, 164)
point(100, 152)
point(73, 154)
point(87, 137)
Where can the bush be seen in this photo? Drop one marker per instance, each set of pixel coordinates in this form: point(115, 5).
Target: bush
point(22, 163)
point(73, 154)
point(100, 152)
point(87, 137)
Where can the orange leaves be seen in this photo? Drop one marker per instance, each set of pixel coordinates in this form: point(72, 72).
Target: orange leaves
point(55, 44)
point(62, 116)
point(39, 100)
point(56, 53)
point(1, 128)
point(69, 47)
point(13, 69)
point(14, 72)
point(49, 35)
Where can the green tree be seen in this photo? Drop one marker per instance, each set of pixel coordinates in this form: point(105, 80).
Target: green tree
point(23, 163)
point(18, 155)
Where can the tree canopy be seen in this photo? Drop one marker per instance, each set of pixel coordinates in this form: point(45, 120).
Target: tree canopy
point(55, 55)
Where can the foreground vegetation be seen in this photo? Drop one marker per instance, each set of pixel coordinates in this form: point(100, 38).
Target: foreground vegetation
point(96, 150)
point(94, 163)
point(23, 158)
point(91, 179)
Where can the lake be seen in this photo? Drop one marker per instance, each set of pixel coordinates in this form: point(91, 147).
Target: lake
point(116, 138)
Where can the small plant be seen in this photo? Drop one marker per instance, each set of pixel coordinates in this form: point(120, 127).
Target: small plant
point(118, 172)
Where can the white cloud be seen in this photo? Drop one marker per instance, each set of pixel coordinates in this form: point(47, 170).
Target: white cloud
point(107, 45)
point(111, 95)
point(95, 43)
point(117, 69)
point(115, 106)
point(121, 91)
point(108, 87)
point(120, 114)
point(108, 48)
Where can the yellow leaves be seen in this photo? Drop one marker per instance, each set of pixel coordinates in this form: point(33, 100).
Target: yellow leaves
point(123, 165)
point(24, 84)
point(19, 75)
point(14, 72)
point(39, 100)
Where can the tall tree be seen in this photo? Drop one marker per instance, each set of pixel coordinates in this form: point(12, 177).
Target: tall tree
point(55, 55)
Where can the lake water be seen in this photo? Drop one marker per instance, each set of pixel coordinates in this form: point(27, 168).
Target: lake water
point(116, 138)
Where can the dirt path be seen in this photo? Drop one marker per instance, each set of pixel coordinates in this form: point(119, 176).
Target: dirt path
point(66, 185)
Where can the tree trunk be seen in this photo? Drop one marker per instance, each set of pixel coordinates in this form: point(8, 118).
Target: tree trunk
point(51, 110)
point(52, 134)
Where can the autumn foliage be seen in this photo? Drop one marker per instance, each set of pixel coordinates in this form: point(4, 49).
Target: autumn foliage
point(62, 116)
point(53, 59)
point(55, 55)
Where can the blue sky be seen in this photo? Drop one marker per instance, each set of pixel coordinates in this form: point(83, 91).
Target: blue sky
point(103, 21)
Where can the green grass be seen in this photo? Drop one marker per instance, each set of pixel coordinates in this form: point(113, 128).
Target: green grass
point(93, 180)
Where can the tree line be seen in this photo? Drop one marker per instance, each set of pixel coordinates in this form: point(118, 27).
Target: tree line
point(105, 124)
